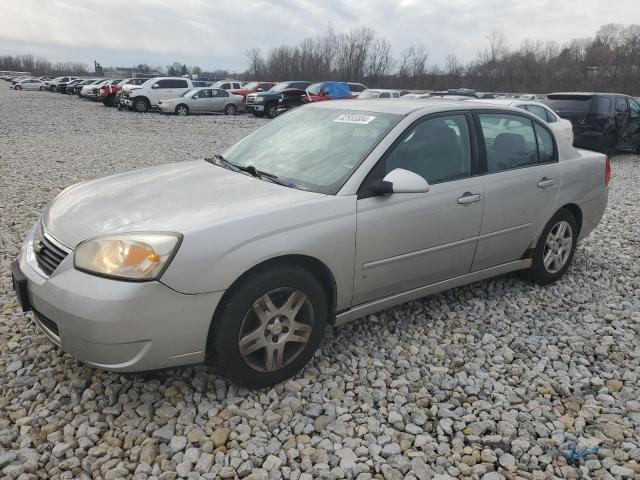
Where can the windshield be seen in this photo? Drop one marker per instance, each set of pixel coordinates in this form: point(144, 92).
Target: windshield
point(251, 86)
point(189, 93)
point(278, 87)
point(368, 94)
point(148, 83)
point(316, 149)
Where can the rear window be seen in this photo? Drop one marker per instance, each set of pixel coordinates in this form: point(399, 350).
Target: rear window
point(572, 103)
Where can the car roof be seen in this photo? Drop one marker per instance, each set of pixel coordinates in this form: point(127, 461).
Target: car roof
point(404, 107)
point(586, 93)
point(506, 101)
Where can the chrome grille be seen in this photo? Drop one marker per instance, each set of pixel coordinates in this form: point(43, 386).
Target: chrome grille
point(250, 99)
point(48, 254)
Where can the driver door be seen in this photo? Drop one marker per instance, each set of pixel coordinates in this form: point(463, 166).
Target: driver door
point(203, 102)
point(409, 240)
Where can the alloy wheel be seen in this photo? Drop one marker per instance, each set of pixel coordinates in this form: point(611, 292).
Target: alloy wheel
point(276, 329)
point(182, 110)
point(557, 247)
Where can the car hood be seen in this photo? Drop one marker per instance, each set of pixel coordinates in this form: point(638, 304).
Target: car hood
point(179, 197)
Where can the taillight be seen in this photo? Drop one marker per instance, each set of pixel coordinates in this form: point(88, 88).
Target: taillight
point(607, 171)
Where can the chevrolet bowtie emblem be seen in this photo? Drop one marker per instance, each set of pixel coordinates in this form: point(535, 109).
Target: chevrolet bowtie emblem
point(37, 246)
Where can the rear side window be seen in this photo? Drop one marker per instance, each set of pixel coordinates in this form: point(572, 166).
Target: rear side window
point(546, 152)
point(621, 105)
point(385, 95)
point(602, 105)
point(164, 84)
point(538, 111)
point(510, 141)
point(635, 108)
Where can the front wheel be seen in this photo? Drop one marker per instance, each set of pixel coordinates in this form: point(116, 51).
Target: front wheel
point(141, 105)
point(230, 109)
point(17, 87)
point(256, 113)
point(42, 89)
point(272, 110)
point(554, 250)
point(182, 110)
point(269, 326)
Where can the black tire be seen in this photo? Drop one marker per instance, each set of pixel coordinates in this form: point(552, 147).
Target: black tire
point(17, 87)
point(141, 105)
point(42, 89)
point(109, 101)
point(230, 109)
point(271, 110)
point(538, 272)
point(237, 308)
point(610, 144)
point(258, 114)
point(182, 110)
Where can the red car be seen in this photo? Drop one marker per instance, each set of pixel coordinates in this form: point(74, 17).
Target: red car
point(252, 87)
point(107, 93)
point(321, 91)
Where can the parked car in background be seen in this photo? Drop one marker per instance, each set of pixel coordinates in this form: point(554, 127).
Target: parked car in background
point(29, 84)
point(252, 87)
point(203, 100)
point(559, 125)
point(75, 89)
point(356, 88)
point(15, 80)
point(70, 87)
point(485, 95)
point(142, 98)
point(228, 84)
point(329, 213)
point(322, 91)
point(605, 122)
point(412, 95)
point(108, 92)
point(86, 89)
point(61, 85)
point(281, 95)
point(92, 92)
point(379, 93)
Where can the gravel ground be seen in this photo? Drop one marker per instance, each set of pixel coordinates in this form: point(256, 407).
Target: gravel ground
point(491, 381)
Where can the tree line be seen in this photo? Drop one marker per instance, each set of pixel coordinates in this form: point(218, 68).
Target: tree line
point(608, 61)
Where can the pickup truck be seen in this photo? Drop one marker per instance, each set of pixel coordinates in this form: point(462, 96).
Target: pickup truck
point(283, 93)
point(252, 87)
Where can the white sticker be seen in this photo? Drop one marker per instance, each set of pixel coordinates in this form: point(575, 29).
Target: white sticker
point(359, 119)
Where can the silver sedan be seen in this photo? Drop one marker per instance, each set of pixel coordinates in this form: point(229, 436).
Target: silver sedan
point(203, 100)
point(329, 213)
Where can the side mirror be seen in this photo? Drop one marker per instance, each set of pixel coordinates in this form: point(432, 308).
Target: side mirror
point(400, 180)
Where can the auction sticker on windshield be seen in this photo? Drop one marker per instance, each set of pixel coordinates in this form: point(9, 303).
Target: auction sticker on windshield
point(360, 119)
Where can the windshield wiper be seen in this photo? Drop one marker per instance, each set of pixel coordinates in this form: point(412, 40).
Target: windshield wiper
point(250, 169)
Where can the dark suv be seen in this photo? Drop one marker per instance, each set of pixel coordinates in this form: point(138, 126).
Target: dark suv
point(605, 122)
point(283, 94)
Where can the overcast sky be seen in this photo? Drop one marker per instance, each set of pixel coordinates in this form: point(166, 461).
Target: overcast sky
point(216, 34)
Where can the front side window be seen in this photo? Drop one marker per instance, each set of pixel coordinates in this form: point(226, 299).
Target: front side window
point(438, 149)
point(206, 93)
point(509, 140)
point(385, 95)
point(314, 89)
point(163, 84)
point(635, 108)
point(621, 105)
point(315, 149)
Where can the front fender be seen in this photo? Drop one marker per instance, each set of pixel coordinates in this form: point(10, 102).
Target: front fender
point(213, 258)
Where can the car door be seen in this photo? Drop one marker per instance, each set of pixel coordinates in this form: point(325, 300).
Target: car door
point(218, 99)
point(634, 123)
point(623, 122)
point(409, 240)
point(202, 101)
point(522, 181)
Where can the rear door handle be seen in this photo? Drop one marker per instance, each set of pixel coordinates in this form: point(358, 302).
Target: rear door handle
point(468, 198)
point(546, 182)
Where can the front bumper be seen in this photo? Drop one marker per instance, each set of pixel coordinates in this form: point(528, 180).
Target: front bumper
point(115, 325)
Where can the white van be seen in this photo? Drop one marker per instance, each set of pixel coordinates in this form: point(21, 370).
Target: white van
point(146, 96)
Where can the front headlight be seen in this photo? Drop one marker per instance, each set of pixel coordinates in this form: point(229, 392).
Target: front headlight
point(259, 99)
point(132, 256)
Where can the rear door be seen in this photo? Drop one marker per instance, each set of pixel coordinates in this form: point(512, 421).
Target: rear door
point(522, 181)
point(623, 122)
point(634, 123)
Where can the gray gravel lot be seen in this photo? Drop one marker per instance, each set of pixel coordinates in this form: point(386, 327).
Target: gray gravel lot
point(490, 381)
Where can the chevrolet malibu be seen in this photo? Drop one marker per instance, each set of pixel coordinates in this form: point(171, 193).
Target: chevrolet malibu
point(325, 215)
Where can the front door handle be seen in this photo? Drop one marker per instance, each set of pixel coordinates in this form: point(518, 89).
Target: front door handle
point(468, 198)
point(546, 182)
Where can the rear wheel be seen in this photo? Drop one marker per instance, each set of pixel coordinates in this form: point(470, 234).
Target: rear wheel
point(42, 89)
point(230, 109)
point(269, 327)
point(141, 105)
point(554, 250)
point(182, 110)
